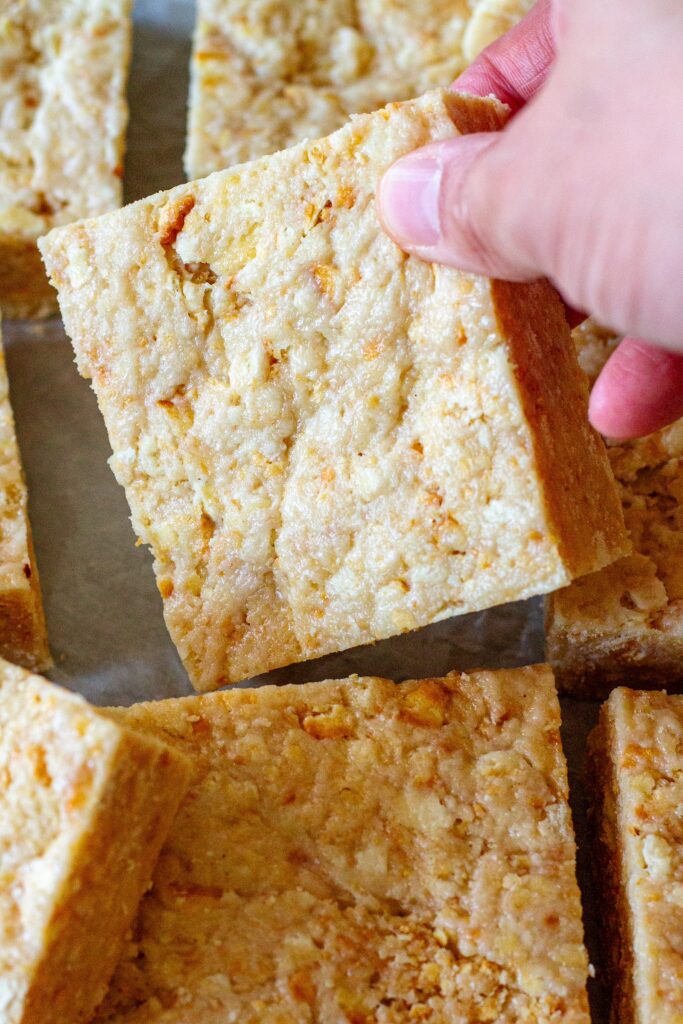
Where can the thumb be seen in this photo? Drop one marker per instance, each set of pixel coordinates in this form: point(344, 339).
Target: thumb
point(428, 205)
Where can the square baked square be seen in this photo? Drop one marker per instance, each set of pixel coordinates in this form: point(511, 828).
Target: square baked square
point(267, 75)
point(636, 777)
point(63, 114)
point(361, 851)
point(85, 805)
point(326, 441)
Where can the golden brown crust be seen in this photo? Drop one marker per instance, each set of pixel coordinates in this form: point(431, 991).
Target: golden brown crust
point(25, 292)
point(475, 113)
point(583, 503)
point(23, 636)
point(23, 633)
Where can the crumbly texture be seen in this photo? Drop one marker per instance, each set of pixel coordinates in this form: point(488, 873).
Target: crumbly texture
point(63, 67)
point(23, 634)
point(267, 74)
point(84, 808)
point(324, 440)
point(637, 778)
point(625, 623)
point(360, 851)
point(491, 19)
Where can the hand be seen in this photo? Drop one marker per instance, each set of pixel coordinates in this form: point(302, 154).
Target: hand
point(584, 186)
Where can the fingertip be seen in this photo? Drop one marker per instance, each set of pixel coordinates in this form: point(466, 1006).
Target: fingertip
point(604, 412)
point(515, 66)
point(639, 390)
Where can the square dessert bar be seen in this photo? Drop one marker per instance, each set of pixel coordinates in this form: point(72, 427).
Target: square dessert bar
point(636, 769)
point(324, 440)
point(625, 622)
point(23, 634)
point(84, 808)
point(266, 75)
point(63, 68)
point(362, 851)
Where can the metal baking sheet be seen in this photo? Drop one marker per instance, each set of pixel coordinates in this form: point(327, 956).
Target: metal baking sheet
point(104, 613)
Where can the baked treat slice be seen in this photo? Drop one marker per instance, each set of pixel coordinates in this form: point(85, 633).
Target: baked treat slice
point(625, 622)
point(362, 851)
point(23, 634)
point(85, 805)
point(63, 115)
point(636, 766)
point(266, 75)
point(324, 440)
point(491, 19)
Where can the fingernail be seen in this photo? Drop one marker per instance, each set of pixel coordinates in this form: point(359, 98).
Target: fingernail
point(409, 201)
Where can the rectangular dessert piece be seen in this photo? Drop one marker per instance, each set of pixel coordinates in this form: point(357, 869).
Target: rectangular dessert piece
point(23, 634)
point(636, 772)
point(325, 441)
point(84, 808)
point(63, 115)
point(625, 622)
point(266, 75)
point(362, 851)
point(491, 19)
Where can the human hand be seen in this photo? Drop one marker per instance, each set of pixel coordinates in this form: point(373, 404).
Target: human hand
point(584, 186)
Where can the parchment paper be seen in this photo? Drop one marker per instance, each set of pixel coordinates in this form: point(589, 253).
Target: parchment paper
point(104, 613)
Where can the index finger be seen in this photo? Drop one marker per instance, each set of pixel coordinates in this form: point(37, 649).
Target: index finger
point(516, 65)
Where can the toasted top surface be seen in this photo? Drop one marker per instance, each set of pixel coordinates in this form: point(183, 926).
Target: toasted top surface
point(54, 754)
point(645, 744)
point(324, 441)
point(62, 112)
point(363, 849)
point(267, 75)
point(645, 589)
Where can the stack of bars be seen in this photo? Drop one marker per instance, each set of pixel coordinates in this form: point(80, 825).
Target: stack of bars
point(325, 442)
